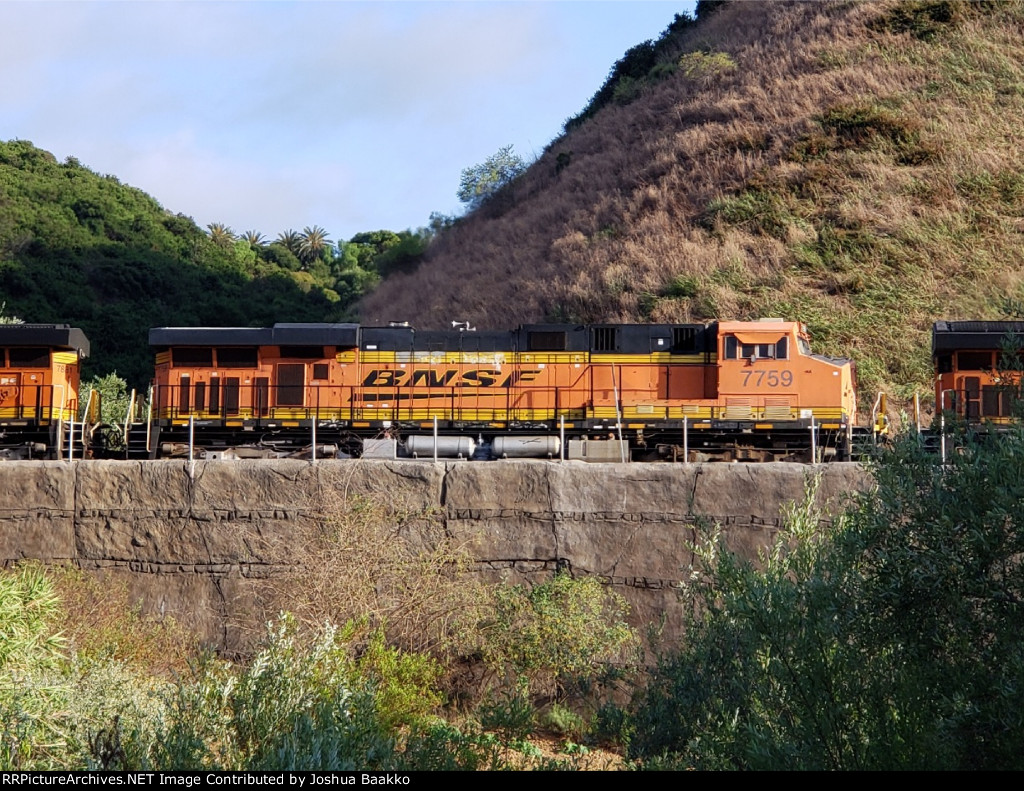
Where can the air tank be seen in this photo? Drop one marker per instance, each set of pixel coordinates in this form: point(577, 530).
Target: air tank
point(538, 446)
point(422, 446)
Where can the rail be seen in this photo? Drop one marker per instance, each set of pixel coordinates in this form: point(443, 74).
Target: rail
point(281, 406)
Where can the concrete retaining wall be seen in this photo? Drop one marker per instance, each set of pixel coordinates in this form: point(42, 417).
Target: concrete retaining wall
point(202, 545)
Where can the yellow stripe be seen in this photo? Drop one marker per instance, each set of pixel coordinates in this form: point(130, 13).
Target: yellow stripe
point(523, 358)
point(376, 357)
point(654, 358)
point(548, 358)
point(67, 358)
point(163, 358)
point(489, 416)
point(346, 357)
point(690, 413)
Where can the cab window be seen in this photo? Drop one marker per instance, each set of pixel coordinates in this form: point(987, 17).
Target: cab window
point(760, 351)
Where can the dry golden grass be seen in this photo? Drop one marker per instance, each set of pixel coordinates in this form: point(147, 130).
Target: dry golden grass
point(377, 558)
point(846, 173)
point(103, 622)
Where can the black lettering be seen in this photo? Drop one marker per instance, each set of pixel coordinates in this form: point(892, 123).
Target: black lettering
point(432, 378)
point(384, 378)
point(481, 378)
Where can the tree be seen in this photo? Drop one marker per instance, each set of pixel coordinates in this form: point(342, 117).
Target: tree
point(113, 393)
point(5, 319)
point(890, 641)
point(291, 240)
point(482, 182)
point(220, 234)
point(313, 243)
point(254, 238)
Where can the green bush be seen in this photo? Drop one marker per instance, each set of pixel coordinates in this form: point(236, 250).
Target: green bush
point(551, 633)
point(891, 641)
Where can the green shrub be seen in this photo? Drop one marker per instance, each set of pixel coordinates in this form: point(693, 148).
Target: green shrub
point(890, 641)
point(403, 683)
point(551, 633)
point(705, 66)
point(510, 714)
point(682, 287)
point(564, 721)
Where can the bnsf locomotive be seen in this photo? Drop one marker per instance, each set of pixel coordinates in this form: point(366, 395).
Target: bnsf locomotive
point(39, 399)
point(978, 368)
point(608, 392)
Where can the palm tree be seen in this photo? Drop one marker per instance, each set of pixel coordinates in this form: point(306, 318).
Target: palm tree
point(221, 234)
point(313, 243)
point(290, 239)
point(254, 238)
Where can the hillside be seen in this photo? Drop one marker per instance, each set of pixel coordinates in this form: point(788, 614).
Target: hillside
point(84, 249)
point(857, 166)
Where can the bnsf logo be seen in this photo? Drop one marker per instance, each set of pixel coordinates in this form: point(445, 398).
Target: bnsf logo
point(481, 377)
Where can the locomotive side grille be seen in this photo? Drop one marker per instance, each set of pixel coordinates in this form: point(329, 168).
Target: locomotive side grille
point(738, 409)
point(777, 408)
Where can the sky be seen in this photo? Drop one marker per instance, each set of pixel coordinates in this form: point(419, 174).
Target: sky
point(270, 116)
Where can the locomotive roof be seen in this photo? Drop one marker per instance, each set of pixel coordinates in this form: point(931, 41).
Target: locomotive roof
point(954, 335)
point(55, 336)
point(345, 335)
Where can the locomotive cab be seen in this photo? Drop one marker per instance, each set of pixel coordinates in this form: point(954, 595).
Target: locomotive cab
point(978, 368)
point(39, 388)
point(767, 370)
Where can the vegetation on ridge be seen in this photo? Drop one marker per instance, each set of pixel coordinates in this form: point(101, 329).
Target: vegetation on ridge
point(83, 249)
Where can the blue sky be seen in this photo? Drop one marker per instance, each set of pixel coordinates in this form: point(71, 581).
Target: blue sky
point(268, 116)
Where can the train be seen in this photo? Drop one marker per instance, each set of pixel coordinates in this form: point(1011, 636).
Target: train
point(40, 369)
point(716, 391)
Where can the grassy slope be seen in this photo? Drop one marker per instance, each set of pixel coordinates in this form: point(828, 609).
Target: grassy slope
point(857, 166)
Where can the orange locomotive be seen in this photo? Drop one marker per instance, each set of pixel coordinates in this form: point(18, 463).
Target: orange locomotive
point(39, 381)
point(977, 368)
point(607, 392)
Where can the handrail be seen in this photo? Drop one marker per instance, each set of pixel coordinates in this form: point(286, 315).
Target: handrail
point(149, 421)
point(128, 419)
point(878, 414)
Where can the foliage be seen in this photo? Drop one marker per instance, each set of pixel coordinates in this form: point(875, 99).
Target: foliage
point(113, 394)
point(510, 713)
point(102, 624)
point(29, 648)
point(378, 559)
point(889, 642)
point(924, 19)
point(564, 721)
point(547, 635)
point(5, 319)
point(83, 249)
point(482, 182)
point(290, 707)
point(313, 244)
point(404, 683)
point(307, 699)
point(633, 70)
point(705, 66)
point(28, 607)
